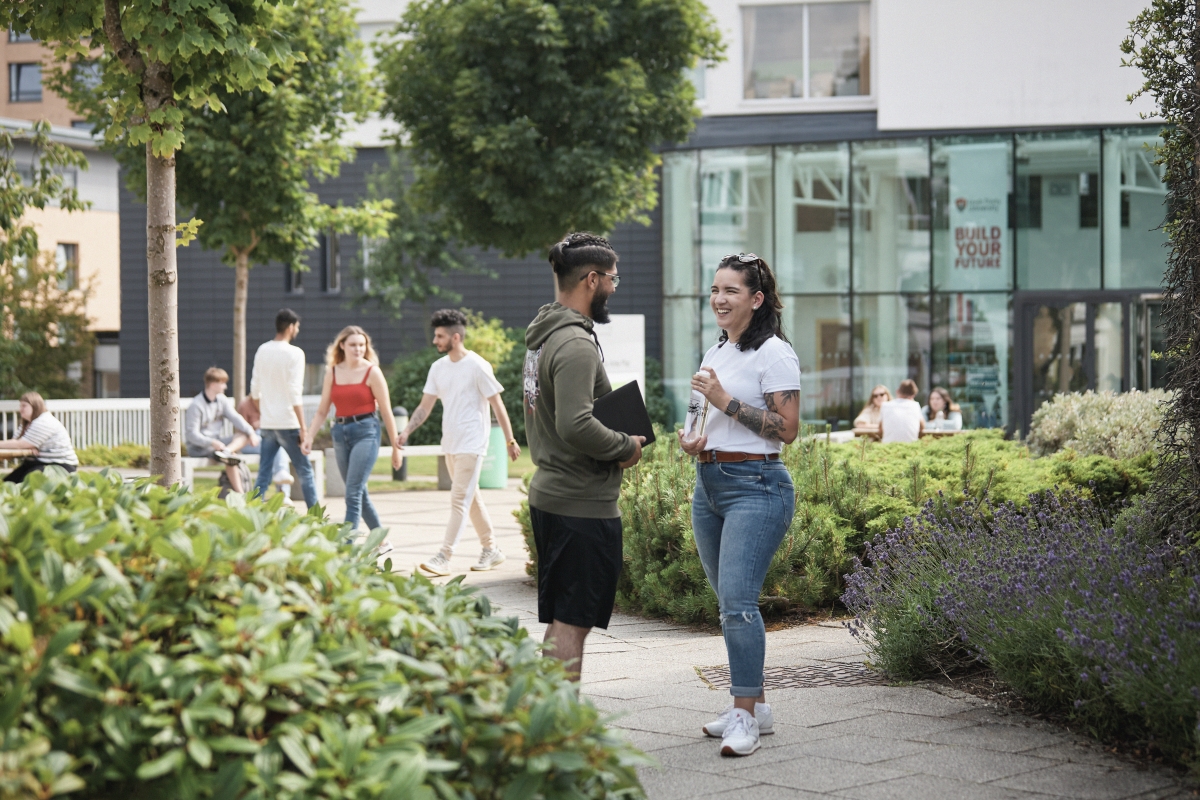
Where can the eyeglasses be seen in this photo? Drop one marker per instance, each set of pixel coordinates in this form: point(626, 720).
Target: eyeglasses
point(879, 394)
point(616, 279)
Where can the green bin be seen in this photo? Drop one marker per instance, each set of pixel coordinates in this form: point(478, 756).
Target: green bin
point(495, 463)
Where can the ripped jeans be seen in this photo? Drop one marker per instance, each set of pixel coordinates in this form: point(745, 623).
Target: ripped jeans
point(740, 513)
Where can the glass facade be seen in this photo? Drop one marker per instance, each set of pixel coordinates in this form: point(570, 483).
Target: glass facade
point(901, 258)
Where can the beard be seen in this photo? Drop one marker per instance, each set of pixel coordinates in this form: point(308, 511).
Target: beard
point(441, 349)
point(599, 309)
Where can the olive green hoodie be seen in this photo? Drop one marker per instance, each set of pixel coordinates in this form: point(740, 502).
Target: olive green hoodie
point(576, 457)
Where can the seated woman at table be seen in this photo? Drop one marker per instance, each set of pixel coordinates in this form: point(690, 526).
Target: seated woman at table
point(868, 418)
point(942, 413)
point(43, 441)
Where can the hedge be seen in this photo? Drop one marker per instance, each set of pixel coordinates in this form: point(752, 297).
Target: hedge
point(155, 643)
point(845, 495)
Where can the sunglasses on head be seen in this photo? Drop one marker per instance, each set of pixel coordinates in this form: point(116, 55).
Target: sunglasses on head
point(745, 258)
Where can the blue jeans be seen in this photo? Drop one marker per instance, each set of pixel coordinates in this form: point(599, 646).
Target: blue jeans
point(740, 514)
point(356, 446)
point(288, 440)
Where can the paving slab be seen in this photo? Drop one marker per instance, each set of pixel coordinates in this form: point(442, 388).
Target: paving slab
point(879, 742)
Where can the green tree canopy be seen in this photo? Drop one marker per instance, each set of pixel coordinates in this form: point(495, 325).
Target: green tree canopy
point(153, 60)
point(530, 119)
point(246, 171)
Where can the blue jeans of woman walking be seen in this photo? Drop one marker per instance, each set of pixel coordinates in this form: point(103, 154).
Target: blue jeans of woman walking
point(356, 447)
point(740, 514)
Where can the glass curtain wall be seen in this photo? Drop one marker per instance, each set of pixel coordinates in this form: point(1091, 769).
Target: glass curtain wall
point(898, 258)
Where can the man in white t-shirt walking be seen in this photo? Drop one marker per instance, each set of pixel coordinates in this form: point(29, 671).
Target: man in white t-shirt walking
point(277, 389)
point(900, 419)
point(466, 385)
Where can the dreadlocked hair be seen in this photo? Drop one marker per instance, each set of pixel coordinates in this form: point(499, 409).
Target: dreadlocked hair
point(768, 317)
point(579, 253)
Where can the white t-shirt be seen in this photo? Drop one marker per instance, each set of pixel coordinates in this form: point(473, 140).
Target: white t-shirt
point(748, 376)
point(51, 439)
point(901, 420)
point(278, 384)
point(464, 388)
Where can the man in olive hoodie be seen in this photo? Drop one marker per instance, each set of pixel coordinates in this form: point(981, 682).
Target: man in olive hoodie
point(573, 494)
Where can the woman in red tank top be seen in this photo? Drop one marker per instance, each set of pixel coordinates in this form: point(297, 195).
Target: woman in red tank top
point(355, 386)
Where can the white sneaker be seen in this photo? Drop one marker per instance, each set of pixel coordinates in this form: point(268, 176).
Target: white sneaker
point(439, 565)
point(741, 734)
point(384, 548)
point(282, 478)
point(762, 713)
point(492, 557)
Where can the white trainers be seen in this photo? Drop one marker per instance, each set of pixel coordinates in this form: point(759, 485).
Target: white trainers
point(762, 713)
point(384, 548)
point(492, 557)
point(741, 734)
point(439, 565)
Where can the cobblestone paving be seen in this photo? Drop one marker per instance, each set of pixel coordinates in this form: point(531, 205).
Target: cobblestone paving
point(845, 738)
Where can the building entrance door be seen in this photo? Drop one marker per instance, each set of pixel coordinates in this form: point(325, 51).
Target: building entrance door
point(1081, 340)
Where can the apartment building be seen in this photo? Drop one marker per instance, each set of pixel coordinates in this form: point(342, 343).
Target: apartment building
point(86, 243)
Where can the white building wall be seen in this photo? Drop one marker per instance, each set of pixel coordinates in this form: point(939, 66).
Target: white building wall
point(1016, 63)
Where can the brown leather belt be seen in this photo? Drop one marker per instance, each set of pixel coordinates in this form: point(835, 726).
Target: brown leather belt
point(723, 457)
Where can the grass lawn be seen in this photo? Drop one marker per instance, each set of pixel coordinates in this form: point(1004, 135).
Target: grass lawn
point(427, 465)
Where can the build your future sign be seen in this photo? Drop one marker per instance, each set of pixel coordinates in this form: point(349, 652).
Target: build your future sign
point(980, 246)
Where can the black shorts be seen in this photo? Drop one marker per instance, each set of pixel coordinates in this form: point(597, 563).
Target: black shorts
point(579, 561)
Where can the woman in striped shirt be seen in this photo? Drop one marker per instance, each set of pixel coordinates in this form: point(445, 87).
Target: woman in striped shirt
point(43, 441)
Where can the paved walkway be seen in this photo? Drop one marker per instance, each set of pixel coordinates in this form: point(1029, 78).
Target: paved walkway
point(860, 742)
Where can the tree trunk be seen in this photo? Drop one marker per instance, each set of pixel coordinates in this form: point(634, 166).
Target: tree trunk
point(163, 302)
point(241, 286)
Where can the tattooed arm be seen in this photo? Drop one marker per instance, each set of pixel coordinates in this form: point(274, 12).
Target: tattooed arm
point(419, 416)
point(779, 421)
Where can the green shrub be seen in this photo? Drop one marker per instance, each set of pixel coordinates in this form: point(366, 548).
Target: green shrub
point(157, 643)
point(846, 494)
point(1099, 423)
point(126, 454)
point(1080, 611)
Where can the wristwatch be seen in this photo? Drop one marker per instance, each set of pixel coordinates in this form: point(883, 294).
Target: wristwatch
point(733, 407)
point(511, 442)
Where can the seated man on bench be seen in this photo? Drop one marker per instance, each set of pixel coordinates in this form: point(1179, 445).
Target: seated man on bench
point(203, 424)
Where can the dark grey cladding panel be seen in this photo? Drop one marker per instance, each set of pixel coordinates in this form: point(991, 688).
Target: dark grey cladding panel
point(760, 129)
point(513, 290)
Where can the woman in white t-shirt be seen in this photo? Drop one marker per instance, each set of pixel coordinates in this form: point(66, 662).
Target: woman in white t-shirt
point(43, 441)
point(745, 406)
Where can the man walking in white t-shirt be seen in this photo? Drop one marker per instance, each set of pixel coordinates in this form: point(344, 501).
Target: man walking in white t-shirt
point(465, 384)
point(900, 419)
point(277, 388)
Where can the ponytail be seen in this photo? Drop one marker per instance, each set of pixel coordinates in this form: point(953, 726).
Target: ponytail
point(768, 317)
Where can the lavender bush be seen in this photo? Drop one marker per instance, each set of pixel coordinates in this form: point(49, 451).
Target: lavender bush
point(1075, 611)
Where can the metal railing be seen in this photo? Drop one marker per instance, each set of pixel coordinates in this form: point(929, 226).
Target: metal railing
point(108, 422)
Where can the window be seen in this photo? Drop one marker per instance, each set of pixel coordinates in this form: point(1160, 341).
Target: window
point(24, 83)
point(807, 50)
point(19, 38)
point(293, 280)
point(1063, 250)
point(331, 266)
point(66, 257)
point(696, 75)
